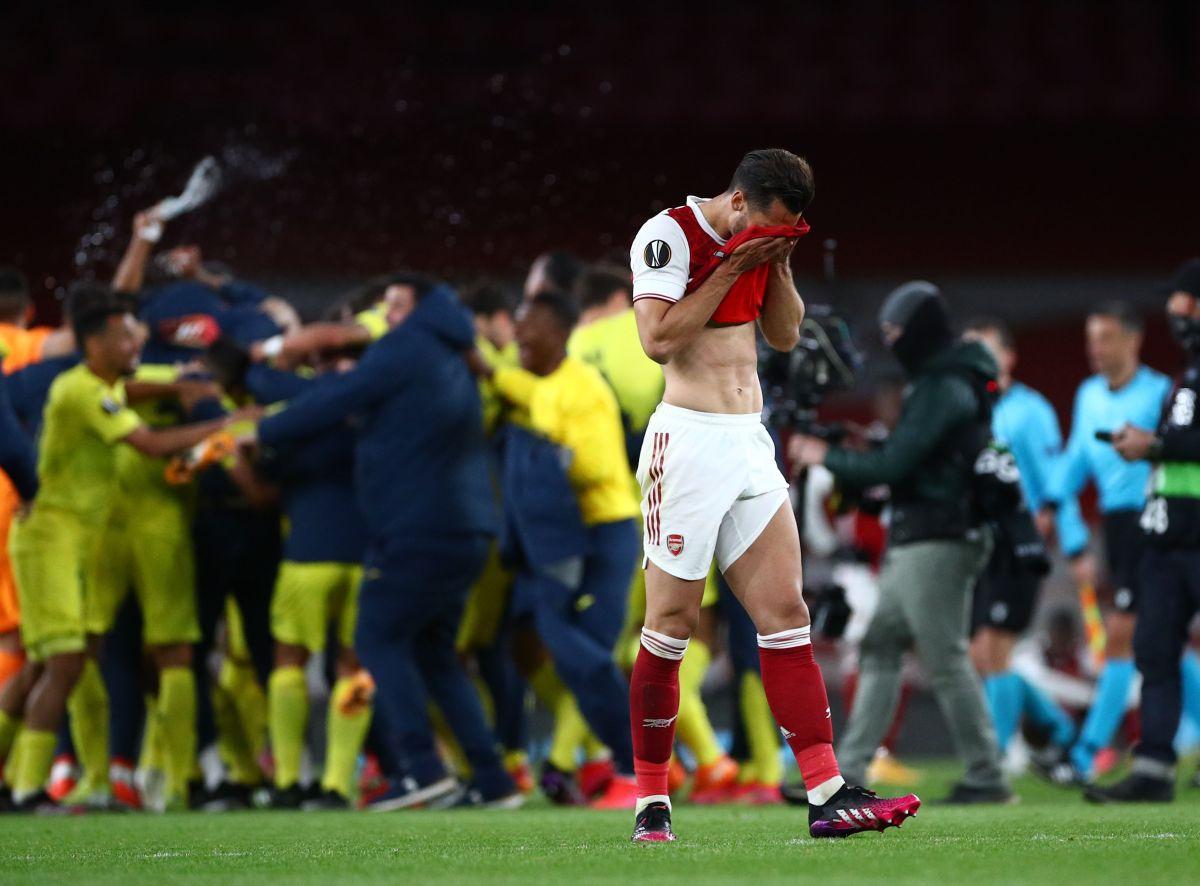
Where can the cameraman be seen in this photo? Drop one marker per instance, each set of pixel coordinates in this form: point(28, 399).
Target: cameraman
point(936, 548)
point(1169, 571)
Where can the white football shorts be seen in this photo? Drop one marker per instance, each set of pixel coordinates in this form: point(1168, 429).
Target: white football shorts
point(709, 484)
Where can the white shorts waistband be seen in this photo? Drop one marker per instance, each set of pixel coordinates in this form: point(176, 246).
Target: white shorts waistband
point(722, 419)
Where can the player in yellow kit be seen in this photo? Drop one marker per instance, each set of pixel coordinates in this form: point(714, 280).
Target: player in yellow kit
point(147, 547)
point(568, 402)
point(607, 338)
point(56, 545)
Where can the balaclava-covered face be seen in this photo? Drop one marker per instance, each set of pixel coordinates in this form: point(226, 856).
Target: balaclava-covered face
point(918, 309)
point(1186, 329)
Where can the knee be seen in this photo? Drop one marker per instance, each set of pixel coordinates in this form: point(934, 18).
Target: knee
point(174, 655)
point(948, 668)
point(65, 669)
point(347, 663)
point(1119, 627)
point(783, 613)
point(677, 622)
point(289, 655)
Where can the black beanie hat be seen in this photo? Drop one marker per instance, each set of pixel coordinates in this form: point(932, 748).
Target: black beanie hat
point(919, 310)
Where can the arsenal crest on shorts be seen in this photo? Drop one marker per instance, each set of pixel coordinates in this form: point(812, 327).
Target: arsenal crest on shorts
point(675, 544)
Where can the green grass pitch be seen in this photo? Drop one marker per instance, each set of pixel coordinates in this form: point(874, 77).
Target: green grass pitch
point(1051, 836)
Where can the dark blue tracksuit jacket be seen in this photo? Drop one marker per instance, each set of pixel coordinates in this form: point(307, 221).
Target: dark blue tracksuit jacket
point(421, 462)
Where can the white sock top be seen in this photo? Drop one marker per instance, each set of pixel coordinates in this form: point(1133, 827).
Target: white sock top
point(788, 639)
point(662, 645)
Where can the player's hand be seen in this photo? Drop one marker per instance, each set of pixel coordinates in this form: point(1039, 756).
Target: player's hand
point(761, 250)
point(1131, 443)
point(251, 413)
point(806, 451)
point(1083, 570)
point(148, 225)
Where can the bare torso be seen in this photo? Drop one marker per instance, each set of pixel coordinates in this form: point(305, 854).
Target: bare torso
point(716, 372)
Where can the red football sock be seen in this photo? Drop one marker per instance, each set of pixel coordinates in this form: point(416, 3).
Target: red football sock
point(796, 693)
point(653, 707)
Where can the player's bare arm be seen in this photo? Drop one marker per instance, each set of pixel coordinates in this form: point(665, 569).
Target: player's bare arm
point(666, 327)
point(161, 442)
point(783, 308)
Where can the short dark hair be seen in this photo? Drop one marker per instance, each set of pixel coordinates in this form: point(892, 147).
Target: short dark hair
point(492, 297)
point(228, 362)
point(562, 269)
point(14, 295)
point(1121, 311)
point(89, 306)
point(988, 323)
point(771, 174)
point(597, 284)
point(562, 307)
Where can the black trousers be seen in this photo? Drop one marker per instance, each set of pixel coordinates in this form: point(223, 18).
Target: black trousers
point(1169, 584)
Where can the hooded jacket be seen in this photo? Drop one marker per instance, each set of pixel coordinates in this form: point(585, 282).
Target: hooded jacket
point(927, 461)
point(421, 465)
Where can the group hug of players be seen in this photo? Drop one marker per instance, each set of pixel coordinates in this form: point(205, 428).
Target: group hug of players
point(173, 568)
point(198, 506)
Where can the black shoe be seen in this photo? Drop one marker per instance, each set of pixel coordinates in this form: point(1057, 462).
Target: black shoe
point(291, 797)
point(472, 797)
point(41, 803)
point(971, 795)
point(225, 797)
point(1053, 764)
point(329, 800)
point(6, 800)
point(795, 794)
point(1134, 788)
point(653, 825)
point(407, 794)
point(853, 809)
point(560, 787)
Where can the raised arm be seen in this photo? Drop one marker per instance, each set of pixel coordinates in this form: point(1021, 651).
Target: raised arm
point(131, 272)
point(666, 325)
point(783, 309)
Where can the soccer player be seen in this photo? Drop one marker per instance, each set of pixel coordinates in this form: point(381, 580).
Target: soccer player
point(579, 616)
point(317, 589)
point(710, 482)
point(422, 479)
point(1024, 421)
point(20, 346)
point(147, 548)
point(1122, 391)
point(54, 547)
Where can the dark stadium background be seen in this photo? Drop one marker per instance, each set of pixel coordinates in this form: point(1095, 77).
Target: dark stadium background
point(1033, 157)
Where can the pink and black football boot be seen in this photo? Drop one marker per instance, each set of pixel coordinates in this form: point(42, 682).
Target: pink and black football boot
point(653, 825)
point(854, 809)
